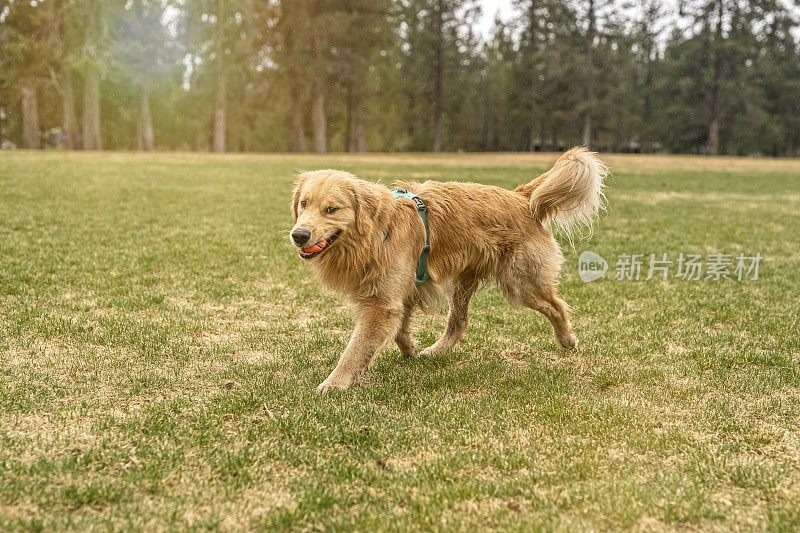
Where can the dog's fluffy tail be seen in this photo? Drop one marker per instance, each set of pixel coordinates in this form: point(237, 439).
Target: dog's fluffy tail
point(570, 194)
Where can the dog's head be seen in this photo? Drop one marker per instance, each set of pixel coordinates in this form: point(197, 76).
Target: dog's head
point(328, 205)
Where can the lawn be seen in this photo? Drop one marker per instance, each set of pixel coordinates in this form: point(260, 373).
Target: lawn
point(160, 342)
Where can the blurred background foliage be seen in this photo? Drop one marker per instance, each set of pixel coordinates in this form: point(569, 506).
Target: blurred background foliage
point(696, 76)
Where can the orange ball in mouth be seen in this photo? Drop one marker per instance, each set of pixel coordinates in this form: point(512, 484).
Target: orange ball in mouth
point(312, 250)
point(317, 247)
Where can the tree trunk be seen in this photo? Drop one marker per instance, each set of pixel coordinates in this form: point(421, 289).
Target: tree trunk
point(361, 131)
point(587, 116)
point(146, 137)
point(219, 100)
point(31, 135)
point(651, 17)
point(139, 141)
point(91, 110)
point(647, 112)
point(70, 117)
point(491, 134)
point(532, 138)
point(91, 83)
point(411, 112)
point(350, 146)
point(319, 120)
point(298, 134)
point(712, 148)
point(356, 130)
point(438, 72)
point(532, 88)
point(64, 86)
point(713, 134)
point(219, 118)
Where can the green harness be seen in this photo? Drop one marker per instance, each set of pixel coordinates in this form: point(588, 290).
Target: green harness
point(422, 264)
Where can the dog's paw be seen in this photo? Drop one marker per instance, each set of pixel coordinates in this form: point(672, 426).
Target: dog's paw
point(430, 350)
point(406, 345)
point(569, 342)
point(334, 383)
point(409, 351)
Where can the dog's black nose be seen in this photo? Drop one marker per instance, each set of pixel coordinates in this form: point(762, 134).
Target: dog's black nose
point(300, 236)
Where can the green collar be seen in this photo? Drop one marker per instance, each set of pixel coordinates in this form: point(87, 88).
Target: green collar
point(422, 264)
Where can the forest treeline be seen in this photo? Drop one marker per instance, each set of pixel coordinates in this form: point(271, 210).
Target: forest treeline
point(694, 76)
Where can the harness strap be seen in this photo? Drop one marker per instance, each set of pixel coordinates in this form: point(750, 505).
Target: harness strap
point(422, 264)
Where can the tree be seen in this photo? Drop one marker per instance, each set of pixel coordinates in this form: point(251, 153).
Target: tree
point(25, 55)
point(717, 43)
point(545, 63)
point(438, 72)
point(724, 77)
point(777, 73)
point(31, 133)
point(65, 47)
point(435, 41)
point(646, 36)
point(298, 135)
point(710, 58)
point(95, 42)
point(232, 52)
point(219, 98)
point(144, 54)
point(593, 11)
point(356, 34)
point(319, 119)
point(591, 21)
point(293, 25)
point(530, 61)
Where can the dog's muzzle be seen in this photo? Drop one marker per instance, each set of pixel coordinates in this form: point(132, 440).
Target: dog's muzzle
point(313, 250)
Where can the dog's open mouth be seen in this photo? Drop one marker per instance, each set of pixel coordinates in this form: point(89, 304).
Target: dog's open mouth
point(313, 250)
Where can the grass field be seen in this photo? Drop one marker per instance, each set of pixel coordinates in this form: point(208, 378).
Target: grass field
point(160, 343)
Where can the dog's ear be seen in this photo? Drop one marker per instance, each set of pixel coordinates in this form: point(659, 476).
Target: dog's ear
point(366, 204)
point(368, 201)
point(298, 186)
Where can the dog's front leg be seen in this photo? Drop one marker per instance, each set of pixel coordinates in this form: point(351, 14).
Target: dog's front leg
point(375, 326)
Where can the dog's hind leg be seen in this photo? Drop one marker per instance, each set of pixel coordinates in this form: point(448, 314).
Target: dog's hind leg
point(529, 279)
point(403, 337)
point(375, 326)
point(463, 290)
point(548, 302)
point(557, 312)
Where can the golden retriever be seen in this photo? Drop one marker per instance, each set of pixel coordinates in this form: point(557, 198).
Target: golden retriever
point(361, 241)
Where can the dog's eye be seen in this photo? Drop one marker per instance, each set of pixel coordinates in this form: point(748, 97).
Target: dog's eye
point(303, 204)
point(331, 210)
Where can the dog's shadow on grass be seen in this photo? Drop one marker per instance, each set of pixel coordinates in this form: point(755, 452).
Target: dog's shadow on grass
point(461, 371)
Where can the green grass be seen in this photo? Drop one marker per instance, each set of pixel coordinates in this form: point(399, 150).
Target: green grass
point(160, 343)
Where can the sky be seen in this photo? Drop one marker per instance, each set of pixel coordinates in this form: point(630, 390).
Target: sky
point(489, 9)
point(505, 8)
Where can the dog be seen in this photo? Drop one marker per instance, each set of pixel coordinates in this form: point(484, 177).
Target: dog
point(362, 241)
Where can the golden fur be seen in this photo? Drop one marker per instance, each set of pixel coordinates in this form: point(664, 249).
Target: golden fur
point(478, 234)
